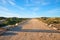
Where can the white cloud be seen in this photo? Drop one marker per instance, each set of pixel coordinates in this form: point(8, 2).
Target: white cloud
point(5, 2)
point(8, 14)
point(5, 12)
point(2, 2)
point(27, 3)
point(36, 3)
point(19, 7)
point(11, 2)
point(3, 9)
point(40, 2)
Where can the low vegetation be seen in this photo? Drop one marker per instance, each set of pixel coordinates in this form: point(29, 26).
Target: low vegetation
point(49, 20)
point(52, 22)
point(10, 21)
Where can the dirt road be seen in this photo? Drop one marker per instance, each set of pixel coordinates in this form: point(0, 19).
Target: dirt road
point(31, 30)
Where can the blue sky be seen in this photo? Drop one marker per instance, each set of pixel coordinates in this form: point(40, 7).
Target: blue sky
point(30, 8)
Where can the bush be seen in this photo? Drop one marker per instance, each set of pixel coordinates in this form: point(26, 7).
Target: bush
point(11, 21)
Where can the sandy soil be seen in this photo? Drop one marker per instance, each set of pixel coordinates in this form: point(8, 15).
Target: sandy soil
point(31, 30)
